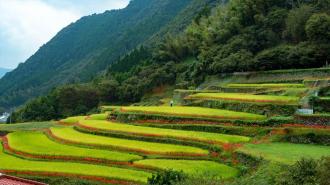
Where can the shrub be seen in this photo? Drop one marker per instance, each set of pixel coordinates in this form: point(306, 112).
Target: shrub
point(320, 104)
point(307, 172)
point(168, 177)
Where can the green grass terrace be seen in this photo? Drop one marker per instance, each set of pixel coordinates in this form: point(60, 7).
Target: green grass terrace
point(193, 167)
point(268, 85)
point(71, 136)
point(194, 112)
point(72, 120)
point(287, 153)
point(242, 97)
point(38, 145)
point(115, 175)
point(206, 137)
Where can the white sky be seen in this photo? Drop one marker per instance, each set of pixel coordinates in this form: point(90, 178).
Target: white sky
point(25, 25)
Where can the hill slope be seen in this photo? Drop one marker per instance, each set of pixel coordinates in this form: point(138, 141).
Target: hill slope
point(3, 71)
point(81, 50)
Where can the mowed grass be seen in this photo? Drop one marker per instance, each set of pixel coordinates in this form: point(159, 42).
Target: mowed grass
point(72, 120)
point(194, 112)
point(242, 97)
point(193, 167)
point(8, 162)
point(26, 126)
point(285, 152)
point(268, 85)
point(37, 143)
point(71, 135)
point(149, 131)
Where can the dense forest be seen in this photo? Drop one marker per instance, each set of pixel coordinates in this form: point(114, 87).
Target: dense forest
point(85, 48)
point(239, 36)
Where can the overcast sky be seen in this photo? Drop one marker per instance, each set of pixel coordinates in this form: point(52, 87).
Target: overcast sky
point(25, 25)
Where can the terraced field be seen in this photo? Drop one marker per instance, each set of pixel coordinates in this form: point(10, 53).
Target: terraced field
point(193, 112)
point(70, 135)
point(193, 167)
point(72, 120)
point(112, 127)
point(38, 145)
point(285, 152)
point(98, 116)
point(268, 85)
point(11, 163)
point(110, 151)
point(288, 100)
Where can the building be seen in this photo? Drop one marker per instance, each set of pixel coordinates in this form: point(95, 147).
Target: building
point(10, 180)
point(4, 117)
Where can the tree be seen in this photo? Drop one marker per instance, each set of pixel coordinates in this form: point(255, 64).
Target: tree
point(296, 21)
point(318, 28)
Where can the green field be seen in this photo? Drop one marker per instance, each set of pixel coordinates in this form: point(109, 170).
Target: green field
point(37, 143)
point(269, 85)
point(72, 120)
point(98, 116)
point(71, 135)
point(285, 152)
point(27, 126)
point(149, 131)
point(9, 162)
point(194, 168)
point(246, 98)
point(194, 112)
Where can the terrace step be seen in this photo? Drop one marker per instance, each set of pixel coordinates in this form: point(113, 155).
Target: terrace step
point(73, 137)
point(37, 145)
point(150, 132)
point(112, 175)
point(180, 112)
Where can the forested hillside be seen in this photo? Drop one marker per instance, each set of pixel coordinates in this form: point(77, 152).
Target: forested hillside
point(85, 48)
point(3, 71)
point(238, 37)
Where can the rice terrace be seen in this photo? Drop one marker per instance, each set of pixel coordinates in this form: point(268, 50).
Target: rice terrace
point(171, 92)
point(127, 144)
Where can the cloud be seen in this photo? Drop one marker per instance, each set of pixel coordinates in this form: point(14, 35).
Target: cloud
point(25, 25)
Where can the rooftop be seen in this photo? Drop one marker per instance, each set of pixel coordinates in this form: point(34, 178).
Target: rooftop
point(10, 180)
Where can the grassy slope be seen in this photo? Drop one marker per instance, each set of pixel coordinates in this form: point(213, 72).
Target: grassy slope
point(201, 136)
point(26, 126)
point(246, 97)
point(13, 163)
point(194, 112)
point(98, 116)
point(194, 168)
point(38, 144)
point(71, 135)
point(285, 152)
point(72, 120)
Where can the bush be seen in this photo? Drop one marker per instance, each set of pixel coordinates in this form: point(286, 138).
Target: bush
point(320, 104)
point(307, 172)
point(200, 180)
point(308, 138)
point(168, 177)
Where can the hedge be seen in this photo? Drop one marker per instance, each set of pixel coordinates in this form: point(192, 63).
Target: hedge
point(315, 119)
point(320, 104)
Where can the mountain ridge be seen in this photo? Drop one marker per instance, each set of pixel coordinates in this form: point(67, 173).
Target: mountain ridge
point(84, 48)
point(3, 71)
